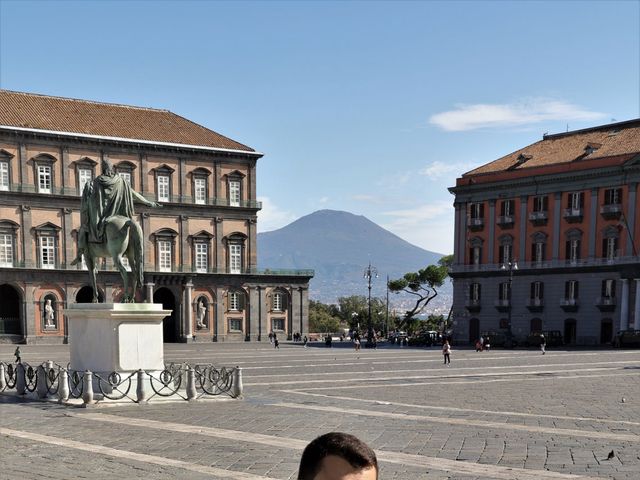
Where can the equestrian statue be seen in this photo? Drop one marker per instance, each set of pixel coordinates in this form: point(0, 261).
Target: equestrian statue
point(109, 229)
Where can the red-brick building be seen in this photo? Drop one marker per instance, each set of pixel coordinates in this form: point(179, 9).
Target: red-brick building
point(200, 248)
point(547, 238)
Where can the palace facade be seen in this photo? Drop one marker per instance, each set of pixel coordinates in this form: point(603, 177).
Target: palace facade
point(200, 247)
point(547, 239)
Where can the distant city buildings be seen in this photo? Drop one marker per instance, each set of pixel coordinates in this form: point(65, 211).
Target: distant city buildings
point(547, 238)
point(200, 248)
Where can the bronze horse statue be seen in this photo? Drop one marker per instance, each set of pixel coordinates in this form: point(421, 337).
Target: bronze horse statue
point(108, 229)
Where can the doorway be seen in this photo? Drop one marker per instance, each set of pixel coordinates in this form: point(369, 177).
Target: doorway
point(536, 325)
point(474, 330)
point(85, 295)
point(606, 331)
point(10, 323)
point(170, 324)
point(570, 331)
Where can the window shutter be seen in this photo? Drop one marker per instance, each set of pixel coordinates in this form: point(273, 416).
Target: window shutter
point(533, 252)
point(501, 254)
point(532, 293)
point(581, 199)
point(603, 289)
point(241, 301)
point(569, 199)
point(479, 254)
point(541, 292)
point(578, 256)
point(567, 252)
point(575, 289)
point(479, 287)
point(545, 203)
point(604, 248)
point(566, 289)
point(613, 288)
point(470, 256)
point(284, 300)
point(482, 210)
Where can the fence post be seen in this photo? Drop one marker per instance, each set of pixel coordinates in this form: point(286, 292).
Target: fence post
point(3, 381)
point(191, 383)
point(63, 385)
point(21, 384)
point(41, 382)
point(237, 389)
point(87, 387)
point(141, 392)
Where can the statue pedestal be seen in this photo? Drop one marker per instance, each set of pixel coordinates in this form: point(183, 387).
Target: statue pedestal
point(116, 337)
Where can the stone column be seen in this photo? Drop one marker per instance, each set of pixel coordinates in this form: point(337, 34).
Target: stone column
point(636, 306)
point(220, 259)
point(624, 305)
point(27, 238)
point(254, 312)
point(216, 180)
point(262, 315)
point(22, 164)
point(144, 184)
point(492, 232)
point(149, 288)
point(591, 252)
point(523, 229)
point(630, 217)
point(187, 311)
point(557, 214)
point(294, 310)
point(304, 309)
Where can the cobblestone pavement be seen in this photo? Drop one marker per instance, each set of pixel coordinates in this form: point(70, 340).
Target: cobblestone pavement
point(490, 415)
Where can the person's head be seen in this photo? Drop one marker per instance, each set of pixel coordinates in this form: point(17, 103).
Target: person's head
point(338, 456)
point(107, 167)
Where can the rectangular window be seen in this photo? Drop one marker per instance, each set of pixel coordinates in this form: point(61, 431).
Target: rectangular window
point(163, 188)
point(4, 176)
point(234, 301)
point(613, 196)
point(571, 290)
point(504, 291)
point(201, 257)
point(576, 200)
point(44, 179)
point(609, 248)
point(200, 187)
point(475, 292)
point(507, 208)
point(234, 193)
point(608, 288)
point(475, 255)
point(85, 175)
point(537, 289)
point(235, 324)
point(47, 252)
point(540, 204)
point(277, 324)
point(235, 258)
point(538, 252)
point(6, 250)
point(573, 250)
point(164, 255)
point(126, 176)
point(277, 302)
point(476, 210)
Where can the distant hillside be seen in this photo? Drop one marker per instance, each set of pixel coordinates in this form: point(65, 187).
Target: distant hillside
point(338, 246)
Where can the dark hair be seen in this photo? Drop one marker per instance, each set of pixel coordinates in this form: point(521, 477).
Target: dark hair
point(350, 448)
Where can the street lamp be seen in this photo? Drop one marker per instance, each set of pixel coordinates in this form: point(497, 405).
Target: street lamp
point(510, 266)
point(369, 273)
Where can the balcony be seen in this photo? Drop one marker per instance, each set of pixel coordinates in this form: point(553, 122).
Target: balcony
point(502, 305)
point(569, 304)
point(505, 221)
point(476, 224)
point(612, 211)
point(539, 218)
point(573, 215)
point(472, 305)
point(535, 304)
point(606, 304)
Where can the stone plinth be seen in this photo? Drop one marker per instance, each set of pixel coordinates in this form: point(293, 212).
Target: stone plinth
point(116, 337)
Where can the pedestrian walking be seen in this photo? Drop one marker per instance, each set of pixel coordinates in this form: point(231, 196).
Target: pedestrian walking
point(487, 344)
point(305, 341)
point(17, 354)
point(271, 337)
point(478, 346)
point(356, 343)
point(446, 352)
point(543, 344)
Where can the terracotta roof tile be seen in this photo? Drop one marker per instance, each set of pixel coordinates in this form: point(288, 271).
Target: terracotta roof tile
point(598, 142)
point(59, 114)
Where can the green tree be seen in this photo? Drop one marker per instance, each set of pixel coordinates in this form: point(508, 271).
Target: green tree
point(358, 305)
point(322, 318)
point(422, 285)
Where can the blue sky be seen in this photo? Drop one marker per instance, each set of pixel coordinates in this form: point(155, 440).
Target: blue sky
point(368, 107)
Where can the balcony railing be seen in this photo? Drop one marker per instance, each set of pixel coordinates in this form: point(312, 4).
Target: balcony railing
point(606, 304)
point(476, 223)
point(539, 217)
point(572, 214)
point(548, 264)
point(569, 304)
point(535, 304)
point(472, 304)
point(188, 199)
point(613, 210)
point(502, 304)
point(505, 220)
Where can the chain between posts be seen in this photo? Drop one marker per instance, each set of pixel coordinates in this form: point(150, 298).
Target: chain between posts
point(177, 381)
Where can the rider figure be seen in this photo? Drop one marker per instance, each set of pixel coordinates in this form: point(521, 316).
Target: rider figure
point(107, 195)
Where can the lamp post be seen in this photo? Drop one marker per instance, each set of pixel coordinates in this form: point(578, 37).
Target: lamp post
point(510, 266)
point(369, 273)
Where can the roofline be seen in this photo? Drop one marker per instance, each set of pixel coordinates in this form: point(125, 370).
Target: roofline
point(132, 140)
point(607, 126)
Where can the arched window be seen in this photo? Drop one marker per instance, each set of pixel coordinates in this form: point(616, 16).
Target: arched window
point(475, 250)
point(573, 245)
point(538, 247)
point(610, 241)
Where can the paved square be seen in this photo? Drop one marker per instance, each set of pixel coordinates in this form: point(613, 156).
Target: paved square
point(490, 415)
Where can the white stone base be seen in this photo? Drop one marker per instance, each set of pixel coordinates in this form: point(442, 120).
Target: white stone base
point(116, 337)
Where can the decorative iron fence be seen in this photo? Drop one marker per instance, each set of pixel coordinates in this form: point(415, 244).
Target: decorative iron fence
point(181, 381)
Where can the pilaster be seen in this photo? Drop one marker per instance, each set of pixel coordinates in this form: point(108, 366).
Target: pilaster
point(64, 178)
point(27, 238)
point(492, 230)
point(183, 180)
point(557, 206)
point(304, 309)
point(187, 311)
point(252, 244)
point(216, 180)
point(185, 261)
point(218, 330)
point(593, 216)
point(636, 305)
point(29, 326)
point(463, 229)
point(456, 236)
point(22, 164)
point(220, 260)
point(263, 328)
point(624, 305)
point(148, 246)
point(67, 238)
point(522, 242)
point(295, 310)
point(144, 187)
point(631, 221)
point(254, 313)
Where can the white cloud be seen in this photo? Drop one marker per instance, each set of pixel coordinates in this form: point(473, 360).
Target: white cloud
point(271, 217)
point(367, 198)
point(437, 170)
point(429, 226)
point(323, 200)
point(524, 112)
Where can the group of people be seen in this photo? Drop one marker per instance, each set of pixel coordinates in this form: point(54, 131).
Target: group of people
point(483, 344)
point(273, 340)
